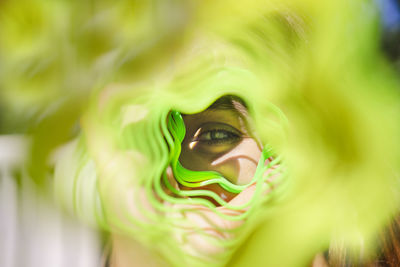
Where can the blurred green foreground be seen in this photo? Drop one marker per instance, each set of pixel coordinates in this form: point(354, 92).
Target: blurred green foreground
point(106, 73)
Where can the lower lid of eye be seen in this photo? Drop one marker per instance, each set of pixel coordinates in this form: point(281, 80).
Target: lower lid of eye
point(220, 142)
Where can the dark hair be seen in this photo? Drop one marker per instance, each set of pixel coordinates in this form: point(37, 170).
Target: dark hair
point(387, 253)
point(227, 102)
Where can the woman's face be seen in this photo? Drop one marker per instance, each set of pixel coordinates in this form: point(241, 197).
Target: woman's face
point(220, 139)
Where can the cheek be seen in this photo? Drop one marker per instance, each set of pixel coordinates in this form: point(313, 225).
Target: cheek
point(239, 164)
point(238, 171)
point(192, 160)
point(246, 170)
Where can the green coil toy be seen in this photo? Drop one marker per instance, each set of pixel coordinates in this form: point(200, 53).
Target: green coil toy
point(129, 63)
point(195, 179)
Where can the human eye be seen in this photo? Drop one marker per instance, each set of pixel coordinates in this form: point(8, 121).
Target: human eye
point(217, 134)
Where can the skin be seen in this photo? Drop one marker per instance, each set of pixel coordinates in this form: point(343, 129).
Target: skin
point(220, 139)
point(217, 139)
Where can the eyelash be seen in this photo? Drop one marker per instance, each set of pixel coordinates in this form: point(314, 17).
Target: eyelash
point(209, 137)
